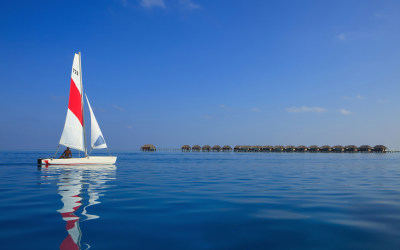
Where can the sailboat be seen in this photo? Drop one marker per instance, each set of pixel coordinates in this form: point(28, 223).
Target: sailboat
point(74, 133)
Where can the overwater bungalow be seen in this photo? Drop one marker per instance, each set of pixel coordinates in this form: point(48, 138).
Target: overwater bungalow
point(186, 148)
point(254, 148)
point(351, 149)
point(148, 147)
point(379, 149)
point(337, 149)
point(206, 148)
point(313, 148)
point(196, 148)
point(226, 148)
point(325, 148)
point(241, 148)
point(365, 148)
point(216, 148)
point(301, 148)
point(266, 148)
point(279, 148)
point(290, 148)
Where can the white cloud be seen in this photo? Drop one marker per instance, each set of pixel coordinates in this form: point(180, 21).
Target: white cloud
point(359, 97)
point(222, 106)
point(129, 126)
point(345, 112)
point(152, 3)
point(118, 107)
point(306, 109)
point(189, 4)
point(256, 110)
point(341, 36)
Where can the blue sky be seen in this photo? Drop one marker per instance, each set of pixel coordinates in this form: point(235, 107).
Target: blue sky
point(174, 72)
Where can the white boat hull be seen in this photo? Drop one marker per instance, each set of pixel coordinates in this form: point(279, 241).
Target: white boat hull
point(79, 161)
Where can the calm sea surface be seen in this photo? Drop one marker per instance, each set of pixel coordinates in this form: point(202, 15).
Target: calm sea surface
point(202, 201)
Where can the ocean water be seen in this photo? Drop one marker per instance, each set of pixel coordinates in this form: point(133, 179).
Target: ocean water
point(202, 201)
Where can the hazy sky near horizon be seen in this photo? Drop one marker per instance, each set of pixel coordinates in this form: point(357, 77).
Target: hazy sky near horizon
point(174, 72)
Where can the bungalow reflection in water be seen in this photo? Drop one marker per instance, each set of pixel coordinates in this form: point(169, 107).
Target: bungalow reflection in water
point(80, 187)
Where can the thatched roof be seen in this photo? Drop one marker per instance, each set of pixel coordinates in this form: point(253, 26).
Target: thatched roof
point(237, 147)
point(380, 148)
point(148, 147)
point(279, 147)
point(216, 147)
point(227, 147)
point(187, 147)
point(314, 147)
point(290, 146)
point(352, 147)
point(337, 146)
point(326, 147)
point(301, 147)
point(196, 147)
point(206, 147)
point(365, 147)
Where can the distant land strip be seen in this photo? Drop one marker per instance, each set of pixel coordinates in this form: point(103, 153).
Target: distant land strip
point(265, 149)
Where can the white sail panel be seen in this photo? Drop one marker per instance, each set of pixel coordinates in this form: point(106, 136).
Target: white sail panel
point(76, 74)
point(72, 135)
point(97, 139)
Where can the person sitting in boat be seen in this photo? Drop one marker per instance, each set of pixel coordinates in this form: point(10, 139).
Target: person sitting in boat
point(67, 154)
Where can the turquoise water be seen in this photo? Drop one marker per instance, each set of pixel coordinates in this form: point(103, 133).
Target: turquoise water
point(203, 201)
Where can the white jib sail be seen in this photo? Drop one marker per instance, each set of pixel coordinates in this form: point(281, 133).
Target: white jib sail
point(97, 139)
point(72, 135)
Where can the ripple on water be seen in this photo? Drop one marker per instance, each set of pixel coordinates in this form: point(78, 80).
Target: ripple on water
point(203, 201)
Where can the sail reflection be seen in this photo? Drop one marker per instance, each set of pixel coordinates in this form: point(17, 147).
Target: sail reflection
point(80, 188)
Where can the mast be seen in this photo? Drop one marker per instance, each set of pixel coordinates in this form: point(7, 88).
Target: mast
point(83, 104)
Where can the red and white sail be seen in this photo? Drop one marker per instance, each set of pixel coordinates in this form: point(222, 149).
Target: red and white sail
point(72, 135)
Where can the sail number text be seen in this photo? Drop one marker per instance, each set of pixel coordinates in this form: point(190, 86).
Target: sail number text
point(75, 71)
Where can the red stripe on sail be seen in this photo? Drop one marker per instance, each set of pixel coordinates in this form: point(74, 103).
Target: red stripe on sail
point(75, 101)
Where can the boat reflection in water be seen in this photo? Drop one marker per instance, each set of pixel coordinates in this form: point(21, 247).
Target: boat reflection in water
point(80, 187)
